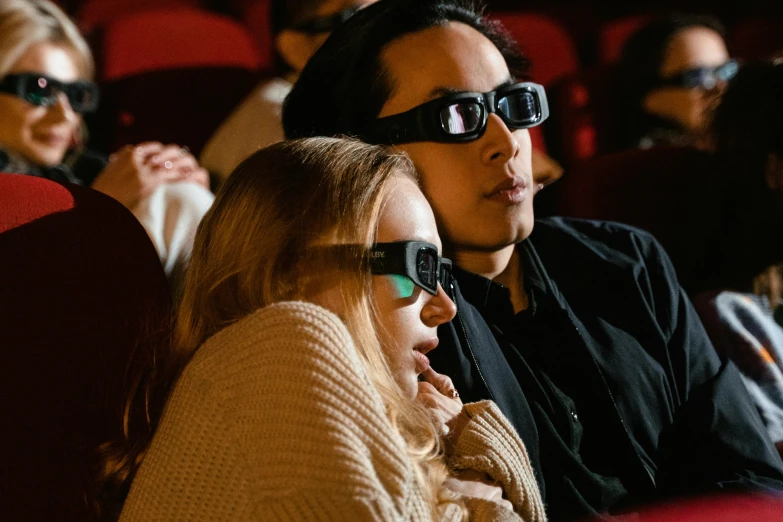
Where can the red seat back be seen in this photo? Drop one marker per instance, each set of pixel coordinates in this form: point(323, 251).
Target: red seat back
point(81, 291)
point(93, 14)
point(255, 14)
point(545, 41)
point(718, 508)
point(171, 75)
point(613, 34)
point(674, 193)
point(580, 125)
point(162, 39)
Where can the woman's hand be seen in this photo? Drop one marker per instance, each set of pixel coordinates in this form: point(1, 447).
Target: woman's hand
point(471, 483)
point(133, 173)
point(179, 160)
point(437, 392)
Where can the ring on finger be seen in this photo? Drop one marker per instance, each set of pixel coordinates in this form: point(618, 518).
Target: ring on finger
point(452, 394)
point(184, 151)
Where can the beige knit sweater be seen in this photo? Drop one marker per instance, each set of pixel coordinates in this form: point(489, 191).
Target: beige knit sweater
point(275, 419)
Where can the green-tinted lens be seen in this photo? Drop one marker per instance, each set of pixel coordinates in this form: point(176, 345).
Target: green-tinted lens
point(404, 285)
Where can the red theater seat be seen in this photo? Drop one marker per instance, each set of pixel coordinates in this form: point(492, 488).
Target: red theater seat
point(545, 41)
point(613, 34)
point(81, 293)
point(163, 39)
point(718, 508)
point(172, 75)
point(674, 193)
point(92, 14)
point(580, 125)
point(255, 15)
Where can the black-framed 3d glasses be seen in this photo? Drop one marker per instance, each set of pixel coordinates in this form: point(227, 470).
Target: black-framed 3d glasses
point(703, 77)
point(325, 24)
point(417, 261)
point(462, 117)
point(43, 91)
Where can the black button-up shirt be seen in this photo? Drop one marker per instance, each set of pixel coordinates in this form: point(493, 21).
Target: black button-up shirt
point(544, 349)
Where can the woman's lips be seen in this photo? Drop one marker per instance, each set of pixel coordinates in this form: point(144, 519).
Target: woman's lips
point(422, 361)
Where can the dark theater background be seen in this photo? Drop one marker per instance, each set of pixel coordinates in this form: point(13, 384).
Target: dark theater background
point(210, 54)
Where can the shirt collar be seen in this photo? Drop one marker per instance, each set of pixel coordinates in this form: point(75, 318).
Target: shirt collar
point(493, 299)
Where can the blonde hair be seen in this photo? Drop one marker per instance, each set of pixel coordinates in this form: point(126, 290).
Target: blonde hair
point(24, 23)
point(258, 245)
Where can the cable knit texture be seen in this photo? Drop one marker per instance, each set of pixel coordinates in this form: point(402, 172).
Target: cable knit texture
point(490, 444)
point(275, 419)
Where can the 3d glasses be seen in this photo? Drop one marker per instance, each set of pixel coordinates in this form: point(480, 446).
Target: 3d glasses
point(41, 90)
point(462, 117)
point(416, 263)
point(703, 77)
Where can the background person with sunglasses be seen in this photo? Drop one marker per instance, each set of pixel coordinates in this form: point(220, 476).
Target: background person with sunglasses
point(299, 27)
point(578, 330)
point(298, 384)
point(672, 72)
point(45, 86)
point(743, 309)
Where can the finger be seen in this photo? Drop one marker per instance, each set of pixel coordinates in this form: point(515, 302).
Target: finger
point(185, 164)
point(172, 153)
point(169, 175)
point(147, 149)
point(441, 382)
point(200, 176)
point(428, 389)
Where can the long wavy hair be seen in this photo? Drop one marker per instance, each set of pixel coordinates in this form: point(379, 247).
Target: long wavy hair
point(256, 246)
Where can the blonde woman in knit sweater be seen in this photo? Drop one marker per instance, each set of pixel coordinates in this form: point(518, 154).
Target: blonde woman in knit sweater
point(291, 391)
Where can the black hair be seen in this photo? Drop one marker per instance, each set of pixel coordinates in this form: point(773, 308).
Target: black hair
point(748, 123)
point(746, 127)
point(638, 72)
point(344, 86)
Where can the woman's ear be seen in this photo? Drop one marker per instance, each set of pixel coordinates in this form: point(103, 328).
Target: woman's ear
point(295, 47)
point(773, 172)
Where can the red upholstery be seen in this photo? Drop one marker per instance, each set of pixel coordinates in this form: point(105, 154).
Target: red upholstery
point(175, 38)
point(613, 34)
point(724, 508)
point(755, 38)
point(255, 14)
point(172, 76)
point(182, 106)
point(93, 14)
point(545, 42)
point(674, 193)
point(80, 288)
point(580, 125)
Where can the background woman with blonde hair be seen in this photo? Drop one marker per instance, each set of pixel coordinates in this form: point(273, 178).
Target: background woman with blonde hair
point(46, 72)
point(292, 391)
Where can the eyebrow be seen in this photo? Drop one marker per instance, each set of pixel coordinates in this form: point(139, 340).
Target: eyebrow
point(439, 92)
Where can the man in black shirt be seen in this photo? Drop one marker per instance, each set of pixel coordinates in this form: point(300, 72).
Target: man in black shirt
point(578, 330)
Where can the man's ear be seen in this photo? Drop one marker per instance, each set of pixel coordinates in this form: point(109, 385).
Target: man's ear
point(295, 48)
point(773, 171)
